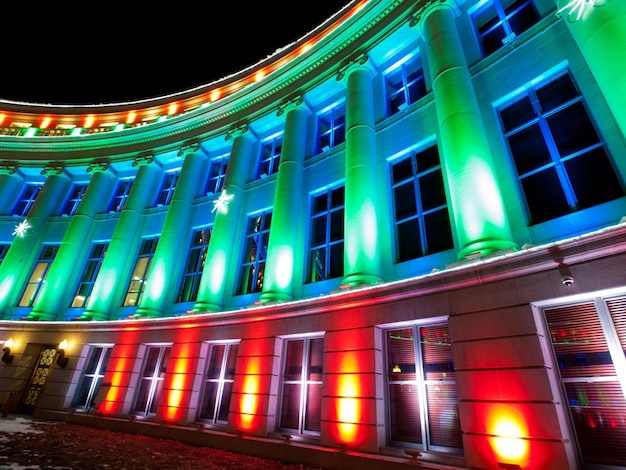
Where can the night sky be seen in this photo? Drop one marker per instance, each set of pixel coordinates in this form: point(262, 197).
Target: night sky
point(84, 55)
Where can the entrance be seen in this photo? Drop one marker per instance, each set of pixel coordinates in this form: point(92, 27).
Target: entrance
point(38, 379)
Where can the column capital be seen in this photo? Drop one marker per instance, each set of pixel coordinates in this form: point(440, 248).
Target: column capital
point(295, 102)
point(417, 16)
point(191, 147)
point(97, 166)
point(52, 169)
point(357, 61)
point(143, 159)
point(234, 132)
point(7, 169)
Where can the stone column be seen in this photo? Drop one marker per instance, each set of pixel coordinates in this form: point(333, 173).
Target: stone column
point(10, 182)
point(282, 249)
point(108, 291)
point(159, 291)
point(19, 259)
point(600, 34)
point(63, 273)
point(362, 261)
point(219, 257)
point(476, 201)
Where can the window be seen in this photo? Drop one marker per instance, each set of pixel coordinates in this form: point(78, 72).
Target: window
point(421, 211)
point(121, 194)
point(167, 189)
point(152, 379)
point(27, 199)
point(405, 85)
point(562, 165)
point(93, 375)
point(270, 157)
point(140, 273)
point(302, 385)
point(38, 276)
point(219, 381)
point(3, 251)
point(88, 279)
point(326, 238)
point(589, 343)
point(217, 174)
point(195, 265)
point(331, 127)
point(499, 21)
point(73, 200)
point(253, 265)
point(423, 403)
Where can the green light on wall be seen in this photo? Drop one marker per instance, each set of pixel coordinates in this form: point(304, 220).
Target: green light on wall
point(485, 209)
point(577, 8)
point(156, 287)
point(217, 273)
point(367, 233)
point(283, 271)
point(6, 286)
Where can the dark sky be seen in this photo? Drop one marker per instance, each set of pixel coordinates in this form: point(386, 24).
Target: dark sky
point(116, 52)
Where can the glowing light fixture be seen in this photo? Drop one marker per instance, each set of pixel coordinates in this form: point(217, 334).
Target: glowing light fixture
point(259, 75)
point(396, 369)
point(130, 117)
point(215, 95)
point(7, 357)
point(45, 122)
point(577, 5)
point(173, 108)
point(221, 204)
point(61, 359)
point(2, 118)
point(89, 120)
point(20, 229)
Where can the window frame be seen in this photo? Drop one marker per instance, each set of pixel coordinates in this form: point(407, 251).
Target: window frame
point(410, 85)
point(331, 127)
point(74, 199)
point(269, 163)
point(225, 377)
point(40, 272)
point(330, 241)
point(140, 273)
point(90, 273)
point(120, 196)
point(92, 379)
point(254, 255)
point(154, 381)
point(200, 240)
point(303, 382)
point(27, 199)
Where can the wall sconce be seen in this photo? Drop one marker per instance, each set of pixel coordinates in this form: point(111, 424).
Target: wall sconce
point(396, 369)
point(61, 359)
point(7, 357)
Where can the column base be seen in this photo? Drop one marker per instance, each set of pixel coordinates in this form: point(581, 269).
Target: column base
point(205, 307)
point(353, 280)
point(275, 297)
point(147, 313)
point(481, 248)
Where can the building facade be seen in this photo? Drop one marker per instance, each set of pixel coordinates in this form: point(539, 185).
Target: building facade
point(402, 234)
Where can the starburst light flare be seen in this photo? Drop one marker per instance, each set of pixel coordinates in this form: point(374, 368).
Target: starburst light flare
point(20, 229)
point(577, 5)
point(222, 202)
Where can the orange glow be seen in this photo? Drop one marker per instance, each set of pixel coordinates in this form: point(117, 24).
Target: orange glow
point(509, 429)
point(259, 75)
point(173, 108)
point(249, 402)
point(89, 120)
point(45, 122)
point(130, 117)
point(215, 95)
point(2, 118)
point(306, 47)
point(347, 406)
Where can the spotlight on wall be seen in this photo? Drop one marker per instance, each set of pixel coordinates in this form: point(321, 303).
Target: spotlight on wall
point(7, 357)
point(567, 280)
point(61, 359)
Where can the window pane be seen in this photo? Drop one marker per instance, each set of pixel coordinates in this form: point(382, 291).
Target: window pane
point(545, 197)
point(529, 150)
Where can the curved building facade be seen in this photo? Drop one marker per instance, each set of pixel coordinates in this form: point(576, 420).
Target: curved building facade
point(400, 237)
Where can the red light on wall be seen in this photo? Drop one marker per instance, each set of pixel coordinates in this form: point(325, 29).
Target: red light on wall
point(509, 430)
point(249, 401)
point(2, 118)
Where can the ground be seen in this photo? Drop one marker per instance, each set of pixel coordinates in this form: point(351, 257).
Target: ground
point(28, 444)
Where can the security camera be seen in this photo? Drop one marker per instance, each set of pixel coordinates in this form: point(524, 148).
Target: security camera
point(567, 280)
